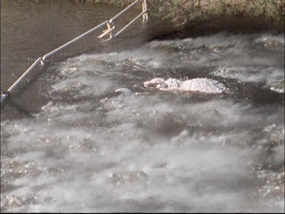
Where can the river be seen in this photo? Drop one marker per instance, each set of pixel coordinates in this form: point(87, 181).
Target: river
point(70, 143)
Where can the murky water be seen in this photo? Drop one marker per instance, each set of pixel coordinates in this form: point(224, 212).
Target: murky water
point(91, 149)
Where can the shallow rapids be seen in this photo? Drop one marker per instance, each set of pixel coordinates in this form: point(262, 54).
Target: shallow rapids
point(91, 149)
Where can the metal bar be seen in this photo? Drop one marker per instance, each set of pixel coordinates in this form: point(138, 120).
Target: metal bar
point(131, 22)
point(3, 96)
point(145, 4)
point(126, 9)
point(110, 28)
point(74, 40)
point(144, 8)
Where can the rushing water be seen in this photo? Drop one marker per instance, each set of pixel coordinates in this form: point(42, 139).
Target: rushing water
point(90, 149)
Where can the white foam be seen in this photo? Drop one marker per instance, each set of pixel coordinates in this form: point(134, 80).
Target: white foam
point(194, 153)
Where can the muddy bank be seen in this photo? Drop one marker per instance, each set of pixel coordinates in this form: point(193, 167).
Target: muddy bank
point(232, 24)
point(181, 19)
point(178, 10)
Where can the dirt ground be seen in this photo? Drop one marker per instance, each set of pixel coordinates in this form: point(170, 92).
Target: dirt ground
point(232, 24)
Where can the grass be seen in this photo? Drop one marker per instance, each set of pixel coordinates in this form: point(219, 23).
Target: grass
point(271, 10)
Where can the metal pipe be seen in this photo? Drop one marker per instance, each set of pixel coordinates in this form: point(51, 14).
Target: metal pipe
point(131, 22)
point(126, 9)
point(145, 5)
point(74, 40)
point(144, 8)
point(3, 96)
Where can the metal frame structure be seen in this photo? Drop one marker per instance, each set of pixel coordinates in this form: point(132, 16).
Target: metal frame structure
point(109, 31)
point(111, 26)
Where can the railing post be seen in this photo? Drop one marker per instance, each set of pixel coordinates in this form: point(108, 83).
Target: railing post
point(110, 27)
point(144, 9)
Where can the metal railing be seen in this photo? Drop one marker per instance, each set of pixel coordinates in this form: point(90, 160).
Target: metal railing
point(111, 26)
point(72, 41)
point(109, 31)
point(5, 94)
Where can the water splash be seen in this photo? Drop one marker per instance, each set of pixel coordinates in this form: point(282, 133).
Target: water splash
point(91, 149)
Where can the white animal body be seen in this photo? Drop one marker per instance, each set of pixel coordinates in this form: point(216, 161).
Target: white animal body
point(204, 85)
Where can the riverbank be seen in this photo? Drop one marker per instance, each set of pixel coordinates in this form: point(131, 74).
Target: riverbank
point(202, 17)
point(182, 11)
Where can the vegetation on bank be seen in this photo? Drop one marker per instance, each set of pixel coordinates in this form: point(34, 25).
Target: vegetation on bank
point(178, 10)
point(185, 10)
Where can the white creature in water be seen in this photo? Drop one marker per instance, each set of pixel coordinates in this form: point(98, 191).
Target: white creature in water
point(204, 85)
